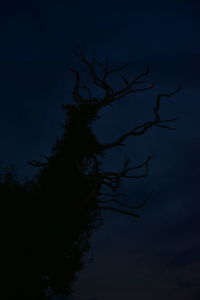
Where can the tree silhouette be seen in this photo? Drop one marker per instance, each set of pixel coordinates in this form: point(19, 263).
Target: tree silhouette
point(47, 221)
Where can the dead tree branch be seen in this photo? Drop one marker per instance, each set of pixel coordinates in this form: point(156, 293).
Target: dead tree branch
point(101, 81)
point(118, 210)
point(130, 208)
point(141, 129)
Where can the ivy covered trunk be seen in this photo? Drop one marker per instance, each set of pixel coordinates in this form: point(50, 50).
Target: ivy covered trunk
point(47, 221)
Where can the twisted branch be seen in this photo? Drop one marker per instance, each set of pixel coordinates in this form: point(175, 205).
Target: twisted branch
point(141, 129)
point(102, 81)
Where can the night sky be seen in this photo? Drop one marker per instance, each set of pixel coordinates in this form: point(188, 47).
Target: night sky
point(156, 256)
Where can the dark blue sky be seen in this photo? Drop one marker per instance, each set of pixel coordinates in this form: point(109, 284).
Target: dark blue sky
point(158, 256)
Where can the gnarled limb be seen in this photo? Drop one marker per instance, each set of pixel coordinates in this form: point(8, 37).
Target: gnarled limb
point(115, 201)
point(76, 93)
point(141, 129)
point(101, 81)
point(124, 173)
point(118, 210)
point(130, 208)
point(112, 179)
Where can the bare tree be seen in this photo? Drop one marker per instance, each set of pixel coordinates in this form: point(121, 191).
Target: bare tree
point(85, 110)
point(75, 167)
point(71, 188)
